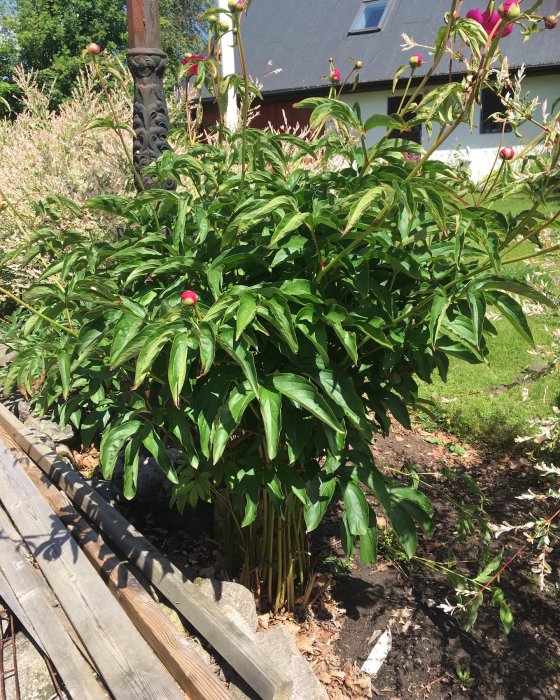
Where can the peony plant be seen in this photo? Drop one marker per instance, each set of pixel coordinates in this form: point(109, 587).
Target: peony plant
point(266, 319)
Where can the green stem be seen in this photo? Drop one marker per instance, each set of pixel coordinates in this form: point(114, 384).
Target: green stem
point(37, 312)
point(245, 102)
point(118, 131)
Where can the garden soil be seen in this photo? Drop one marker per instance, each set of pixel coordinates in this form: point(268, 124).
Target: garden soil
point(431, 656)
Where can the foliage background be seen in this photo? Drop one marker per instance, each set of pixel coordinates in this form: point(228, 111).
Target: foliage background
point(48, 36)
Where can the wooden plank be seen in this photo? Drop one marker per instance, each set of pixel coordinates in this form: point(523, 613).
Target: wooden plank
point(9, 598)
point(230, 640)
point(29, 591)
point(128, 666)
point(188, 669)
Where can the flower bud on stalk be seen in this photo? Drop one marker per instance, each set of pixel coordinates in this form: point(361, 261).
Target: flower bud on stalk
point(359, 65)
point(189, 298)
point(93, 48)
point(507, 153)
point(551, 22)
point(416, 60)
point(236, 5)
point(509, 10)
point(335, 76)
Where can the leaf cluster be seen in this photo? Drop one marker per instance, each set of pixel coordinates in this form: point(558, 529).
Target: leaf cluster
point(324, 296)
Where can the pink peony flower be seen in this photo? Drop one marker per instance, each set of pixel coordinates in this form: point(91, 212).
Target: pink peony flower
point(189, 298)
point(416, 60)
point(93, 48)
point(476, 15)
point(194, 61)
point(335, 76)
point(491, 20)
point(507, 153)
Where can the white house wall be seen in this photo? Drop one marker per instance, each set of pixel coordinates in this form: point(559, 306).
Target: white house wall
point(478, 149)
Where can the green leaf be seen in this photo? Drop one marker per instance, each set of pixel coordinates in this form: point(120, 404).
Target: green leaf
point(368, 542)
point(239, 352)
point(356, 508)
point(303, 393)
point(131, 462)
point(506, 616)
point(406, 493)
point(514, 287)
point(282, 320)
point(340, 389)
point(438, 311)
point(246, 312)
point(486, 575)
point(150, 350)
point(288, 224)
point(126, 330)
point(513, 312)
point(477, 304)
point(319, 496)
point(385, 121)
point(361, 206)
point(271, 412)
point(177, 369)
point(229, 417)
point(64, 369)
point(155, 445)
point(112, 443)
point(207, 345)
point(347, 539)
point(405, 528)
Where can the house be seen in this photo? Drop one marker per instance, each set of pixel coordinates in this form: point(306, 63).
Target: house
point(288, 44)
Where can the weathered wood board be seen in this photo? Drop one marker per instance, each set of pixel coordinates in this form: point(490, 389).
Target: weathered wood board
point(128, 666)
point(42, 623)
point(172, 648)
point(230, 640)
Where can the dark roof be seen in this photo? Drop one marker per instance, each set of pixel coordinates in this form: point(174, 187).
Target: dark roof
point(298, 37)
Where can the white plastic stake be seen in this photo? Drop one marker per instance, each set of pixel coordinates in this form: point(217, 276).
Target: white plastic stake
point(228, 68)
point(378, 654)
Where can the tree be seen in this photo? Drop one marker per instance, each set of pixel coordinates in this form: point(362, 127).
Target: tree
point(179, 28)
point(49, 35)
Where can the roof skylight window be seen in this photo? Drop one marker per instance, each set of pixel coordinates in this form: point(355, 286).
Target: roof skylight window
point(370, 16)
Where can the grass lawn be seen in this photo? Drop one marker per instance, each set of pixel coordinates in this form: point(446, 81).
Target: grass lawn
point(494, 419)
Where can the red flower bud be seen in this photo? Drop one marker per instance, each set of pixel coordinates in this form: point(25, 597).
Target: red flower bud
point(194, 61)
point(551, 22)
point(507, 153)
point(93, 48)
point(189, 298)
point(509, 10)
point(335, 76)
point(416, 60)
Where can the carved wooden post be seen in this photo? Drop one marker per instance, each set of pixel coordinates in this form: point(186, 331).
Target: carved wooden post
point(146, 62)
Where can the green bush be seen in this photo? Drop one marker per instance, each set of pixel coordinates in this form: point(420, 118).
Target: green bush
point(320, 299)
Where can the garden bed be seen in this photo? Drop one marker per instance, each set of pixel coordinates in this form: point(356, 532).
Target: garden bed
point(431, 655)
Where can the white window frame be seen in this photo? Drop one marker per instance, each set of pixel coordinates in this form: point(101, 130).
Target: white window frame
point(370, 30)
